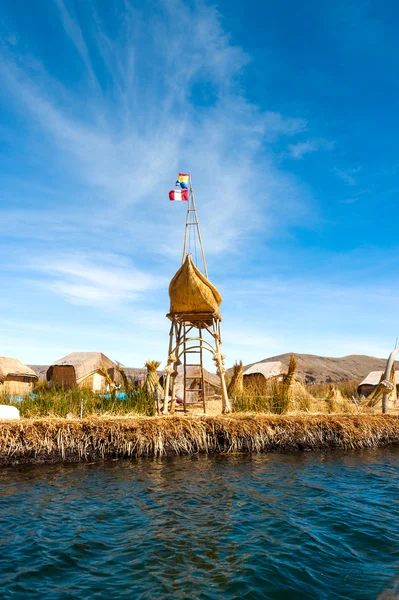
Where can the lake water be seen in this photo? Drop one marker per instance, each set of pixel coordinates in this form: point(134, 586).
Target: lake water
point(281, 526)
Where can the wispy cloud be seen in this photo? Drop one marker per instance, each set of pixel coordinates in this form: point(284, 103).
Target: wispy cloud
point(97, 153)
point(300, 149)
point(111, 280)
point(125, 153)
point(355, 197)
point(347, 175)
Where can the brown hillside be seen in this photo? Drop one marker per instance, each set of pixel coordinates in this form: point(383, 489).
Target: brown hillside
point(324, 369)
point(311, 368)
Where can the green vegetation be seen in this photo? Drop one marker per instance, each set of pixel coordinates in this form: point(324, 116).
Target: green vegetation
point(272, 397)
point(80, 402)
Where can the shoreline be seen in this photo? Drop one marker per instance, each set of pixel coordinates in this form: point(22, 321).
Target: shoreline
point(51, 440)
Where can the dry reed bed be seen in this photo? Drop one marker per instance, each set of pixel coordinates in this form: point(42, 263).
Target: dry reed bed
point(52, 440)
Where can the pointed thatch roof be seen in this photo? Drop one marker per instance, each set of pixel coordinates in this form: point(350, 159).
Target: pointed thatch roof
point(84, 363)
point(267, 369)
point(12, 366)
point(373, 378)
point(191, 292)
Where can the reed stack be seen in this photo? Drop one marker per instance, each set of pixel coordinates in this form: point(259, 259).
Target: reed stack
point(152, 381)
point(236, 385)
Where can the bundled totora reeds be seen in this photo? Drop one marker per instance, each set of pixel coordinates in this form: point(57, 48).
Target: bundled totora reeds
point(52, 440)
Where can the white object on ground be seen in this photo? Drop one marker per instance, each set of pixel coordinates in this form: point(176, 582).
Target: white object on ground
point(9, 412)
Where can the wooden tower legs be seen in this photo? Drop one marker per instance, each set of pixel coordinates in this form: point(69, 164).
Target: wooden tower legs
point(186, 339)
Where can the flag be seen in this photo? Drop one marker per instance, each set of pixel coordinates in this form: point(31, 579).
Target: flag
point(182, 180)
point(178, 195)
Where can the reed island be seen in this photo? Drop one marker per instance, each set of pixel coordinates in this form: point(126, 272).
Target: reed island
point(89, 408)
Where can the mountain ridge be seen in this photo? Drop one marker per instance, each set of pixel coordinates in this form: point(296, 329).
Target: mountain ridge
point(311, 369)
point(314, 369)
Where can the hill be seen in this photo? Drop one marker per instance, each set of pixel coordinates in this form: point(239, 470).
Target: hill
point(311, 368)
point(324, 369)
point(40, 371)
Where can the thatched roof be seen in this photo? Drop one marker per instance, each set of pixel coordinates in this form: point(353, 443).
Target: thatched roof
point(195, 372)
point(267, 369)
point(191, 292)
point(12, 366)
point(84, 363)
point(373, 378)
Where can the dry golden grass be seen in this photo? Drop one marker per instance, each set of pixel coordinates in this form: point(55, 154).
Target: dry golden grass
point(52, 440)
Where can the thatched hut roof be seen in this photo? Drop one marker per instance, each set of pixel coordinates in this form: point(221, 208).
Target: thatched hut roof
point(84, 363)
point(191, 292)
point(267, 369)
point(12, 366)
point(373, 378)
point(195, 372)
point(139, 373)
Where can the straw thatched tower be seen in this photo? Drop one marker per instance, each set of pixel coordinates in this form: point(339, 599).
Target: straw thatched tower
point(16, 379)
point(91, 370)
point(195, 322)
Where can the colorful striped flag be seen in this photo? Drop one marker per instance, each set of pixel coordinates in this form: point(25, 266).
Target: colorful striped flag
point(178, 195)
point(182, 180)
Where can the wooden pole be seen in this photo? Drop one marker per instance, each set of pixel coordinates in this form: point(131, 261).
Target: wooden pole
point(187, 226)
point(185, 369)
point(156, 394)
point(202, 372)
point(226, 407)
point(198, 228)
point(167, 383)
point(177, 329)
point(387, 376)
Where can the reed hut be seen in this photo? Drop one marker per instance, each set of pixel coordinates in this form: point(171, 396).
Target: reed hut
point(91, 370)
point(374, 386)
point(138, 375)
point(194, 383)
point(370, 383)
point(16, 379)
point(261, 372)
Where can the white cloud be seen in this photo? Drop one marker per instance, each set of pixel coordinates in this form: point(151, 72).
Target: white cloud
point(109, 280)
point(300, 149)
point(126, 152)
point(174, 102)
point(347, 175)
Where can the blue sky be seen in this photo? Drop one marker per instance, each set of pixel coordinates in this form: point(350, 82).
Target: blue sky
point(286, 115)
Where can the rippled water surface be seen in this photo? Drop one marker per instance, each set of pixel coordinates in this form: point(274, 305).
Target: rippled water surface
point(312, 525)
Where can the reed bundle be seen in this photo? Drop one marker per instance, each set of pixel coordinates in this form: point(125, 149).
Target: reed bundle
point(236, 385)
point(152, 380)
point(336, 402)
point(52, 440)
